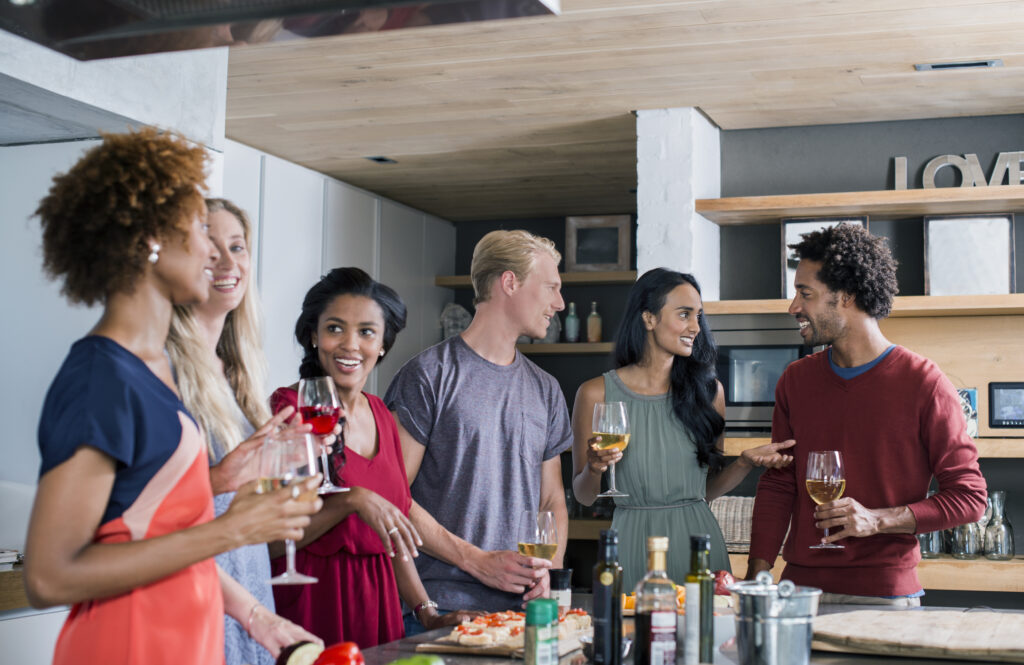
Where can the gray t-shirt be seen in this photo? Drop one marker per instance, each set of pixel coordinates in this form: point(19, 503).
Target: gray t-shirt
point(487, 430)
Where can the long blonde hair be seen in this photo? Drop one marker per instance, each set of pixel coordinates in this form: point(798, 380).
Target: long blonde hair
point(201, 381)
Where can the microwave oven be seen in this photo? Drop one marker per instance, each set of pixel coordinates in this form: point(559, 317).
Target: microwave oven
point(753, 351)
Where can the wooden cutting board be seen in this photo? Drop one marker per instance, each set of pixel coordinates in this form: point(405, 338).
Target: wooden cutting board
point(564, 647)
point(954, 634)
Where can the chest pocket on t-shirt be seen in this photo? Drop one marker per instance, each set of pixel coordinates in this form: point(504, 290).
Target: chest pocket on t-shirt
point(533, 437)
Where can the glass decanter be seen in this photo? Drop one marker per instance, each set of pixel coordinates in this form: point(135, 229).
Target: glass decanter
point(998, 533)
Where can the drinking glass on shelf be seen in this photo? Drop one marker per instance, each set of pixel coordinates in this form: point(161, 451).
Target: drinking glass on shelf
point(319, 406)
point(537, 534)
point(286, 459)
point(611, 426)
point(826, 482)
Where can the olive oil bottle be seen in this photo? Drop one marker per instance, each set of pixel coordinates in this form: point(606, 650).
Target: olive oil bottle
point(699, 635)
point(607, 601)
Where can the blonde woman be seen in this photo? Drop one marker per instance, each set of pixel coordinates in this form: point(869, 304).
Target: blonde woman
point(219, 365)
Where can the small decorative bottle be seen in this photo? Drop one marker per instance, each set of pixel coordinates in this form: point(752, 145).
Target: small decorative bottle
point(593, 324)
point(572, 324)
point(999, 533)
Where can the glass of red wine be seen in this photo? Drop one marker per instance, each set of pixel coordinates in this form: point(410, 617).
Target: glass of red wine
point(320, 407)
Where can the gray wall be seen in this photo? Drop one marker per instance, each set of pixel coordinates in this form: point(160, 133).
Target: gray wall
point(846, 158)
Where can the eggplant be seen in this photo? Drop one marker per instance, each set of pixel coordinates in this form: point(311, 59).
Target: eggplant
point(300, 653)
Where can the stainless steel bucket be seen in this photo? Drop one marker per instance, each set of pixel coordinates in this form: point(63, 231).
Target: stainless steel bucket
point(774, 623)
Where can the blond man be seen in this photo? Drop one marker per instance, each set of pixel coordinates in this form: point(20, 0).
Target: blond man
point(482, 428)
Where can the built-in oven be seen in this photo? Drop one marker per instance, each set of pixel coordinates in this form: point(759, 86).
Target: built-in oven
point(753, 351)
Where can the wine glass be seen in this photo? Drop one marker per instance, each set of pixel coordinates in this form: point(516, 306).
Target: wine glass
point(286, 459)
point(537, 534)
point(611, 426)
point(825, 482)
point(320, 407)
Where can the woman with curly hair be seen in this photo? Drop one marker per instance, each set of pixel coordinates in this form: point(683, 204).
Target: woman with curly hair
point(215, 351)
point(665, 374)
point(122, 527)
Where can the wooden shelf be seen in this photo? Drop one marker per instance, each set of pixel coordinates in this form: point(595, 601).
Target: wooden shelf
point(588, 348)
point(887, 204)
point(903, 306)
point(987, 447)
point(568, 278)
point(944, 573)
point(12, 590)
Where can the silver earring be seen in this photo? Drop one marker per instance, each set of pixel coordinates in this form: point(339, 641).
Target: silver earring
point(314, 345)
point(154, 253)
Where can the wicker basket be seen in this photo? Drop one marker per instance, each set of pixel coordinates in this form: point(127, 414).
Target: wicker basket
point(733, 515)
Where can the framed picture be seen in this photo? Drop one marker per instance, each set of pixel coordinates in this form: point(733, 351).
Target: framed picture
point(597, 243)
point(968, 254)
point(793, 230)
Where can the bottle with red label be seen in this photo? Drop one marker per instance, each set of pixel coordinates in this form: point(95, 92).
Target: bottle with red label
point(656, 609)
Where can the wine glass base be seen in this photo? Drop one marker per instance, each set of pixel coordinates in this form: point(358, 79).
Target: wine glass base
point(331, 488)
point(293, 578)
point(827, 546)
point(611, 493)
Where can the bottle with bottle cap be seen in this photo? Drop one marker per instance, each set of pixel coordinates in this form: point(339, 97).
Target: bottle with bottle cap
point(655, 609)
point(541, 634)
point(607, 601)
point(561, 588)
point(593, 324)
point(572, 324)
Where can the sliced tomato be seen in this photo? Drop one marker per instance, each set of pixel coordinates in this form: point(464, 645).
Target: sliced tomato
point(516, 631)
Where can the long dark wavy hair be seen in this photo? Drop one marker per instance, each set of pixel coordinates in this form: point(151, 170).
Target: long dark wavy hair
point(693, 379)
point(339, 282)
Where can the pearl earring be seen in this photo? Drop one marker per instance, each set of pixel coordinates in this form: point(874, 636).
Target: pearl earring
point(154, 253)
point(382, 353)
point(314, 345)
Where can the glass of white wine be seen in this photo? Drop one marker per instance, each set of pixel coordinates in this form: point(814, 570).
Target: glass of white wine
point(288, 458)
point(538, 535)
point(826, 482)
point(611, 427)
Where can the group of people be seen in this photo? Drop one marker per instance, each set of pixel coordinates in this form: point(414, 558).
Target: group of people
point(153, 425)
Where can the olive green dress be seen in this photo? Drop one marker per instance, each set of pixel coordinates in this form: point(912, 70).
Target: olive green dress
point(665, 484)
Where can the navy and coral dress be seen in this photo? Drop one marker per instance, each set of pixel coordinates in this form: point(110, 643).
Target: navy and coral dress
point(105, 397)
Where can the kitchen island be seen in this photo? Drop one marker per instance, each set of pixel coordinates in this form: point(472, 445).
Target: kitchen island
point(725, 649)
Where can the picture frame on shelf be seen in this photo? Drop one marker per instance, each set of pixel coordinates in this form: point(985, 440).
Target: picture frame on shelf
point(793, 228)
point(968, 254)
point(597, 242)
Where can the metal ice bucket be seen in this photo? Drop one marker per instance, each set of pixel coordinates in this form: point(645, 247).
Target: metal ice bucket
point(774, 623)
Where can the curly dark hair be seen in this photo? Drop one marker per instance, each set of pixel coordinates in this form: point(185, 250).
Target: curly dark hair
point(99, 217)
point(693, 380)
point(855, 262)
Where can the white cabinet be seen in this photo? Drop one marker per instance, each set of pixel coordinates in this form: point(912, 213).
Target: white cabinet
point(241, 183)
point(291, 237)
point(401, 268)
point(351, 228)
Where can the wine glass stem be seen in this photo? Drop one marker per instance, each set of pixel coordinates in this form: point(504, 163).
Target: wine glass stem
point(326, 463)
point(611, 477)
point(289, 549)
point(826, 532)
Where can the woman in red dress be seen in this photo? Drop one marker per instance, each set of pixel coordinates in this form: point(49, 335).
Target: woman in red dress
point(360, 546)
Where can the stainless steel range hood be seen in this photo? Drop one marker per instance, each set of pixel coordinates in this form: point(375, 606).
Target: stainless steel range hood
point(90, 29)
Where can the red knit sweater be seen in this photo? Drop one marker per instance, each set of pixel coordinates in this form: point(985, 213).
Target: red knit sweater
point(897, 425)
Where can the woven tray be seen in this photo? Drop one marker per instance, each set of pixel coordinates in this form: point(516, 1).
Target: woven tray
point(733, 515)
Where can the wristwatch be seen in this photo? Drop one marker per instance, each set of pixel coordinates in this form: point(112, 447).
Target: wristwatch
point(422, 606)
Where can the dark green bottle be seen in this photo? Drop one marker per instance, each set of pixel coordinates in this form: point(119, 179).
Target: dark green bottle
point(699, 634)
point(608, 601)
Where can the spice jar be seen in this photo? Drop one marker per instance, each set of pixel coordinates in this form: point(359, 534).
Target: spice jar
point(541, 643)
point(561, 588)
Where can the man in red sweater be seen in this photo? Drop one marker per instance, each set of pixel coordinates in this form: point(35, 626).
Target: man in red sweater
point(891, 413)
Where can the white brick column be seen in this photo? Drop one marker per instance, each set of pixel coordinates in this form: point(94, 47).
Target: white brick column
point(678, 161)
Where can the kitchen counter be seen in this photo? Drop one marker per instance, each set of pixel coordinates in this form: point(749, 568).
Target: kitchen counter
point(725, 651)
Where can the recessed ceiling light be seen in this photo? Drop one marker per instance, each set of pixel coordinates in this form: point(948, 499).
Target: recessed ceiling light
point(972, 64)
point(380, 159)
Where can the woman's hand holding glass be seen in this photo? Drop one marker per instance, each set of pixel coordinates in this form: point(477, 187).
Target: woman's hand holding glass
point(611, 429)
point(287, 460)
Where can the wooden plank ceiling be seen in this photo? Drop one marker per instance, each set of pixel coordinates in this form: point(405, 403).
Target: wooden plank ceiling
point(533, 117)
